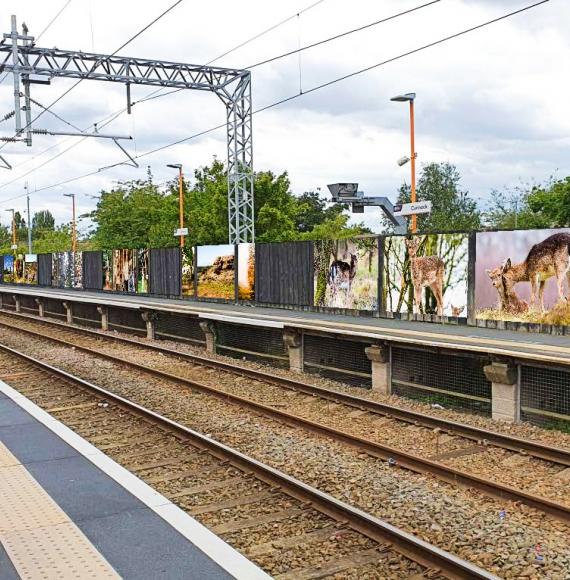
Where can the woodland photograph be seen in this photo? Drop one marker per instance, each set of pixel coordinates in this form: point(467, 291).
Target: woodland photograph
point(346, 273)
point(426, 274)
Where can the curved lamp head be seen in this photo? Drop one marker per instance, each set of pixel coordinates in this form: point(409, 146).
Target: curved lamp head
point(404, 98)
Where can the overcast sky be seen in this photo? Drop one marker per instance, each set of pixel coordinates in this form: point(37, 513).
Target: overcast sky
point(494, 102)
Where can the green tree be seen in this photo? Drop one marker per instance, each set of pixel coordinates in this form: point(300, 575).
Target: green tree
point(452, 207)
point(43, 220)
point(530, 206)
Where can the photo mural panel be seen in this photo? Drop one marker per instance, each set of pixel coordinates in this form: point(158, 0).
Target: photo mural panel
point(246, 271)
point(523, 276)
point(124, 271)
point(19, 269)
point(8, 269)
point(67, 270)
point(216, 275)
point(346, 274)
point(426, 274)
point(142, 265)
point(30, 269)
point(107, 257)
point(188, 271)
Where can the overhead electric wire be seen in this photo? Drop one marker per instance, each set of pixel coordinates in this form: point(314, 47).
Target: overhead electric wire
point(266, 31)
point(157, 92)
point(52, 21)
point(311, 90)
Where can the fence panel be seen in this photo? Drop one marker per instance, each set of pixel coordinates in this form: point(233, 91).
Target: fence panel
point(284, 273)
point(44, 269)
point(165, 272)
point(93, 270)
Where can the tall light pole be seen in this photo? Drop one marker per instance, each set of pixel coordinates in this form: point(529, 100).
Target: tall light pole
point(14, 245)
point(73, 225)
point(29, 219)
point(180, 197)
point(410, 97)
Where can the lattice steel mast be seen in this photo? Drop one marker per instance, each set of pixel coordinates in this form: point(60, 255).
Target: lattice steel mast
point(19, 55)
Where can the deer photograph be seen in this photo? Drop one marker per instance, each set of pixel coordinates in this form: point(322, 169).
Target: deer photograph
point(522, 275)
point(346, 274)
point(426, 274)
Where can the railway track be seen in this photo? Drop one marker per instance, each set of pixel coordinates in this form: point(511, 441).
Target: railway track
point(445, 426)
point(395, 455)
point(238, 497)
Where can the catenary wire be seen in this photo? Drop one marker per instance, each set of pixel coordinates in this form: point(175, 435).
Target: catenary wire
point(311, 90)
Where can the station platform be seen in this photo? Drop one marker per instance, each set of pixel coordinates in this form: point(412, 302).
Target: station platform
point(68, 511)
point(539, 347)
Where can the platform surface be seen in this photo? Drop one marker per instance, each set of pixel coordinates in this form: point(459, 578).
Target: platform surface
point(547, 348)
point(69, 511)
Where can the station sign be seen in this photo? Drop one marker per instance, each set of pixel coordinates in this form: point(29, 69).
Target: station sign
point(14, 246)
point(181, 232)
point(30, 258)
point(403, 209)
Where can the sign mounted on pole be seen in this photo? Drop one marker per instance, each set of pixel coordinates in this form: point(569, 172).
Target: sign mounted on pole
point(181, 232)
point(403, 209)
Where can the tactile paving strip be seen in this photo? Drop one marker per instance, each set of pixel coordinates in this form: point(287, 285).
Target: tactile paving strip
point(38, 536)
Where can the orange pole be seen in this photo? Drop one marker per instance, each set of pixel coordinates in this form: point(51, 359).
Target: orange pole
point(14, 229)
point(181, 202)
point(413, 162)
point(74, 229)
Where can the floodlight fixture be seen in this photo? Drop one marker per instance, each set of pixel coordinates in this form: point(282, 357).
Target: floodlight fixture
point(174, 165)
point(404, 98)
point(403, 160)
point(340, 191)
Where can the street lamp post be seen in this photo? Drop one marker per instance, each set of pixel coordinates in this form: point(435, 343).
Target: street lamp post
point(29, 219)
point(73, 224)
point(180, 197)
point(14, 245)
point(410, 97)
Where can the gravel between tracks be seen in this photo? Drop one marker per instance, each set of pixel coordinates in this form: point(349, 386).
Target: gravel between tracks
point(458, 520)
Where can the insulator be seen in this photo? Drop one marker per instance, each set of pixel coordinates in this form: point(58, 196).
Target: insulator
point(8, 116)
point(39, 131)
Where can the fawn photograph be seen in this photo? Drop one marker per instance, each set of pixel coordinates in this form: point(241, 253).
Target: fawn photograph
point(246, 271)
point(426, 274)
point(523, 276)
point(346, 273)
point(216, 273)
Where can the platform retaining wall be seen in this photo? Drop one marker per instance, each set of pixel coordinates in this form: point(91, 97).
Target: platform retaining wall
point(264, 345)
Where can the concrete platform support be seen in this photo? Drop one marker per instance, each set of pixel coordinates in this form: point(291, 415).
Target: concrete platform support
point(18, 304)
point(40, 303)
point(380, 358)
point(209, 330)
point(505, 391)
point(149, 318)
point(104, 312)
point(293, 340)
point(69, 311)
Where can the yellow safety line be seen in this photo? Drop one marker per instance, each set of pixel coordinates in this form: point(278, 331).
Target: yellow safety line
point(38, 536)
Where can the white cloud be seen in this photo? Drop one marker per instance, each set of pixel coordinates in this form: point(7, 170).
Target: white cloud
point(493, 102)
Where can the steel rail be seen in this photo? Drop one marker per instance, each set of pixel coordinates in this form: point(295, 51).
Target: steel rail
point(397, 457)
point(380, 531)
point(509, 442)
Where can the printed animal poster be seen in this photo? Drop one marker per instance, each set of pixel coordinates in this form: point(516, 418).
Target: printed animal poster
point(426, 274)
point(346, 273)
point(523, 275)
